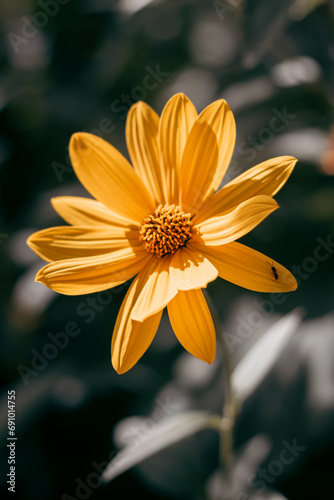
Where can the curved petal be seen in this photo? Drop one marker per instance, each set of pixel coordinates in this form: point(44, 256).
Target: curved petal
point(93, 274)
point(109, 177)
point(132, 338)
point(177, 119)
point(249, 268)
point(142, 140)
point(191, 321)
point(70, 242)
point(86, 212)
point(267, 178)
point(157, 291)
point(230, 226)
point(207, 154)
point(189, 269)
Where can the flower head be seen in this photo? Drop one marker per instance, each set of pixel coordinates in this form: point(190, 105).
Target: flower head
point(162, 222)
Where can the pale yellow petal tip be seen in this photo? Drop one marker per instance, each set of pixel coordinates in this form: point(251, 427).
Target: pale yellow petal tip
point(121, 370)
point(286, 158)
point(273, 203)
point(55, 201)
point(289, 281)
point(78, 141)
point(292, 160)
point(208, 357)
point(211, 358)
point(212, 352)
point(39, 278)
point(119, 361)
point(29, 241)
point(120, 367)
point(180, 96)
point(221, 103)
point(294, 284)
point(137, 105)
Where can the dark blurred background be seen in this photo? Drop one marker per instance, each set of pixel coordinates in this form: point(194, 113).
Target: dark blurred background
point(78, 65)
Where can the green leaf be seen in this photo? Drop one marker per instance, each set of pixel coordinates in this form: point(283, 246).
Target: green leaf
point(163, 435)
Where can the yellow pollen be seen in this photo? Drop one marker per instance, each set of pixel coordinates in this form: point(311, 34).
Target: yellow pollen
point(166, 230)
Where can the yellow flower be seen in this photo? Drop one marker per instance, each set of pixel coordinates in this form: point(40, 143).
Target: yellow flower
point(163, 222)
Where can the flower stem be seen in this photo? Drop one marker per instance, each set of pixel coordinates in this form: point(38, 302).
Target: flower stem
point(228, 417)
point(229, 408)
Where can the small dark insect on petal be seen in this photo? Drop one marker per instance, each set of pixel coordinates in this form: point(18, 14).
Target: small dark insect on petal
point(274, 271)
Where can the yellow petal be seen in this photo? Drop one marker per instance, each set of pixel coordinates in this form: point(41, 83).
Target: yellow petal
point(157, 291)
point(132, 338)
point(86, 212)
point(176, 121)
point(93, 274)
point(142, 141)
point(70, 242)
point(267, 178)
point(109, 177)
point(207, 154)
point(192, 323)
point(189, 269)
point(234, 224)
point(248, 268)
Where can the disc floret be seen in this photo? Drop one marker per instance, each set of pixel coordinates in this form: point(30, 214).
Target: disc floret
point(166, 230)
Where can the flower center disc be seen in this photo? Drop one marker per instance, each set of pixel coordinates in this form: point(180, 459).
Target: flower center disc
point(166, 230)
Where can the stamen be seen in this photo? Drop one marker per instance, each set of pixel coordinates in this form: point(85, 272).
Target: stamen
point(166, 230)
